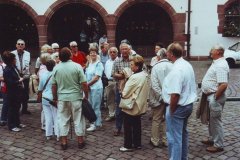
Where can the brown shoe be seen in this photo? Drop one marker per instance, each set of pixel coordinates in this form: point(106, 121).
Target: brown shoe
point(64, 142)
point(213, 149)
point(81, 143)
point(207, 142)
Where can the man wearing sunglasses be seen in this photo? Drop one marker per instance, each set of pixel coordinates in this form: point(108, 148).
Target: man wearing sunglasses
point(23, 65)
point(78, 56)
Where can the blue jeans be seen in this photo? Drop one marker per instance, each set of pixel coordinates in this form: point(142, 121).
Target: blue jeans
point(4, 113)
point(177, 134)
point(118, 112)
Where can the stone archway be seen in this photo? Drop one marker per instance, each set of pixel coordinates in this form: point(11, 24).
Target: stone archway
point(178, 19)
point(59, 5)
point(21, 22)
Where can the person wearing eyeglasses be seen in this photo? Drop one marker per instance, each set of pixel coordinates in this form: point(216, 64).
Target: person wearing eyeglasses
point(78, 56)
point(110, 88)
point(23, 65)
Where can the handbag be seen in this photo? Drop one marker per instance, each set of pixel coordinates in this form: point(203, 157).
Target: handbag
point(39, 95)
point(104, 80)
point(88, 111)
point(127, 103)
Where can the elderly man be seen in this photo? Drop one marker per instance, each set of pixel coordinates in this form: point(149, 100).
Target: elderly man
point(159, 71)
point(23, 65)
point(78, 56)
point(67, 93)
point(179, 93)
point(117, 74)
point(214, 85)
point(110, 89)
point(104, 53)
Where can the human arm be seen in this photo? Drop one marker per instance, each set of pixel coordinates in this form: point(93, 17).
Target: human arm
point(221, 89)
point(85, 89)
point(174, 98)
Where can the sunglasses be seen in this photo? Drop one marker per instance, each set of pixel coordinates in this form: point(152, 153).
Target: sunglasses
point(74, 46)
point(20, 44)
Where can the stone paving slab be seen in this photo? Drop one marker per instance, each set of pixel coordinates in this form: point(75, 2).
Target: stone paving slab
point(30, 143)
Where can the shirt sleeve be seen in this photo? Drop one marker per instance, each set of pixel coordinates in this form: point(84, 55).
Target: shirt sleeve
point(130, 87)
point(54, 80)
point(155, 83)
point(175, 83)
point(41, 83)
point(222, 75)
point(99, 69)
point(81, 75)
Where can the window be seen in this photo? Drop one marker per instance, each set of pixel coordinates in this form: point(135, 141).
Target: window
point(231, 26)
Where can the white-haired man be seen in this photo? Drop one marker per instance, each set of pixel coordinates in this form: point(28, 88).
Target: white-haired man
point(77, 55)
point(214, 85)
point(110, 89)
point(159, 71)
point(23, 65)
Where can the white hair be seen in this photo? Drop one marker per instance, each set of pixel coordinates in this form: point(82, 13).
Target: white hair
point(218, 47)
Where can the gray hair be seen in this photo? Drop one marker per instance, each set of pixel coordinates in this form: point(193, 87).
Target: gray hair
point(20, 40)
point(113, 48)
point(45, 57)
point(218, 47)
point(45, 48)
point(163, 53)
point(125, 45)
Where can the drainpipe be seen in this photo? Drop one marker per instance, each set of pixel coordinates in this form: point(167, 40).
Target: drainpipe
point(188, 29)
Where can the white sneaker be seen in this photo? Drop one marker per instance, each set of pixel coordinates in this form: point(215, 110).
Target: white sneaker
point(91, 128)
point(16, 129)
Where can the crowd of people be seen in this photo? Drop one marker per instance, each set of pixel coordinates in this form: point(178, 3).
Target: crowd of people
point(67, 76)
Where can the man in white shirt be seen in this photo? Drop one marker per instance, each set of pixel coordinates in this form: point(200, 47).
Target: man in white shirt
point(179, 93)
point(23, 65)
point(159, 71)
point(214, 85)
point(110, 89)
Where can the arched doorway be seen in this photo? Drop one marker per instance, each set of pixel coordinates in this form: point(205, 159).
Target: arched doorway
point(144, 24)
point(16, 24)
point(75, 22)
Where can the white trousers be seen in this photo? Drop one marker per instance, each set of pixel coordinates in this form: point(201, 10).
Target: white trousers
point(50, 114)
point(66, 110)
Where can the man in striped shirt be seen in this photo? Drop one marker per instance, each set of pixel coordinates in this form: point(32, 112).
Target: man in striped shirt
point(214, 85)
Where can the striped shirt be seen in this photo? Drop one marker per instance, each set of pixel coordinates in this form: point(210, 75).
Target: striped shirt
point(217, 73)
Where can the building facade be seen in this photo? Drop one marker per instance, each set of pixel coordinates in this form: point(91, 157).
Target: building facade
point(196, 24)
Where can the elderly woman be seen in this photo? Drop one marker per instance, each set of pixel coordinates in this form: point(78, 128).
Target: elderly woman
point(50, 111)
point(94, 73)
point(14, 91)
point(134, 104)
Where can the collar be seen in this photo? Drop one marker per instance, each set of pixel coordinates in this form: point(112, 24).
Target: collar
point(217, 60)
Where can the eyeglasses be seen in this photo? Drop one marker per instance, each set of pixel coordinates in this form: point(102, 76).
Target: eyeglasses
point(74, 46)
point(112, 51)
point(20, 44)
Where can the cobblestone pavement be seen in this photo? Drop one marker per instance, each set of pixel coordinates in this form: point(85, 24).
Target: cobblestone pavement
point(31, 144)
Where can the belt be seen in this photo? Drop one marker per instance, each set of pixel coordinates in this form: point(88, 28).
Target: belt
point(208, 94)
